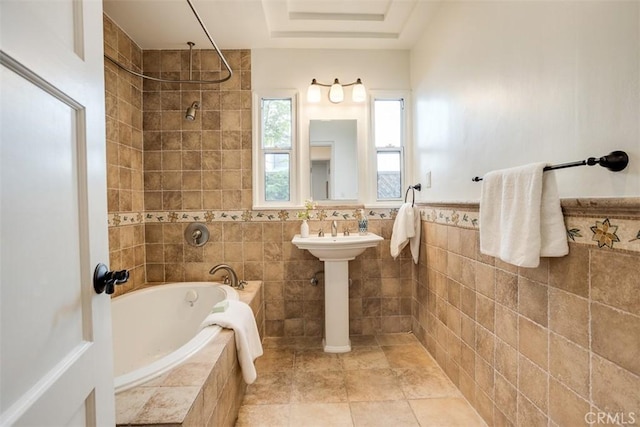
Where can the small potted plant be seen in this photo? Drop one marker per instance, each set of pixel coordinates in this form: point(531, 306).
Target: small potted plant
point(305, 215)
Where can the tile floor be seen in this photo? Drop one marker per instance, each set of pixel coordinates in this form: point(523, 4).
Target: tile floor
point(386, 380)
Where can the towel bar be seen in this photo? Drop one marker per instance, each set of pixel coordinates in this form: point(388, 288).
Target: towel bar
point(418, 187)
point(614, 161)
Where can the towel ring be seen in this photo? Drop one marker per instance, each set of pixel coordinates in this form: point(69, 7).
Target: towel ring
point(418, 187)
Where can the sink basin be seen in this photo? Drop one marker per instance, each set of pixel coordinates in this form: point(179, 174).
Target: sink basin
point(336, 253)
point(339, 248)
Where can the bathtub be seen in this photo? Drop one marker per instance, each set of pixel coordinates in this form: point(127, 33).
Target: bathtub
point(157, 328)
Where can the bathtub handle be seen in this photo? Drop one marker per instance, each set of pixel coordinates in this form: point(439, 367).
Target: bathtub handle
point(105, 280)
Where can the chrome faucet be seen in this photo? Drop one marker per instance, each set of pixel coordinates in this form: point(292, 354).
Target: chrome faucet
point(334, 228)
point(231, 279)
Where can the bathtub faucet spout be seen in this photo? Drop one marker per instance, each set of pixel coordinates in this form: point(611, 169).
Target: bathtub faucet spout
point(232, 278)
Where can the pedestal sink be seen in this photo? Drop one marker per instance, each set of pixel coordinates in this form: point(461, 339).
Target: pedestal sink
point(336, 252)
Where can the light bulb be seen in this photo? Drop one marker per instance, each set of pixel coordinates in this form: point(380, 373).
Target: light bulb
point(359, 94)
point(336, 93)
point(313, 92)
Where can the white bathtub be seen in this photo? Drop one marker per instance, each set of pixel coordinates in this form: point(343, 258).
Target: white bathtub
point(156, 328)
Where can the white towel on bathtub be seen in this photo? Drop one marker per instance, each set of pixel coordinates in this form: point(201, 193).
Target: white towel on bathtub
point(239, 317)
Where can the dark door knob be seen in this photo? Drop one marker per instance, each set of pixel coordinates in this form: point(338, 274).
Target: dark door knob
point(106, 281)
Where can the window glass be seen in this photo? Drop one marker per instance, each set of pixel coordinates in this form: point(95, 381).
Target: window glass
point(388, 122)
point(276, 123)
point(276, 177)
point(388, 118)
point(389, 180)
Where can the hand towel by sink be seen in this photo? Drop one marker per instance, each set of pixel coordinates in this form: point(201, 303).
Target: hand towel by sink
point(406, 229)
point(520, 216)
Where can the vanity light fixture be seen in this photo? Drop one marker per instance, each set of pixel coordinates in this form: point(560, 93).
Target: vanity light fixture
point(336, 91)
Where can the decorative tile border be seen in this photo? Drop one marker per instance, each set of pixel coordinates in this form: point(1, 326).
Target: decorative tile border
point(129, 218)
point(604, 232)
point(447, 216)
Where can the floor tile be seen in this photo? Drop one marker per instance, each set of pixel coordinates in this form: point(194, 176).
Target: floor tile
point(392, 413)
point(263, 416)
point(408, 356)
point(396, 339)
point(316, 360)
point(385, 380)
point(445, 412)
point(419, 383)
point(364, 358)
point(320, 415)
point(275, 359)
point(372, 384)
point(318, 386)
point(269, 388)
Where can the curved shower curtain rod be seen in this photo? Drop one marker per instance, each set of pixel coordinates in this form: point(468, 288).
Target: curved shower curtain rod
point(215, 47)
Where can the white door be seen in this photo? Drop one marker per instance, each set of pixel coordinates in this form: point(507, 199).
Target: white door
point(55, 341)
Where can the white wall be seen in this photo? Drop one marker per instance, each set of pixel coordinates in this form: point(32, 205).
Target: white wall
point(294, 69)
point(500, 84)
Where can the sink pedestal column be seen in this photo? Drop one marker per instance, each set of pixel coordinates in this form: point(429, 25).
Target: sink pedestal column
point(336, 306)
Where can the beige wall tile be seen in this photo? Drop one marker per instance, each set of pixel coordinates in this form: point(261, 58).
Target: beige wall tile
point(506, 326)
point(569, 364)
point(529, 414)
point(614, 389)
point(614, 280)
point(569, 316)
point(571, 273)
point(506, 361)
point(507, 289)
point(533, 382)
point(532, 300)
point(616, 336)
point(532, 341)
point(485, 279)
point(506, 398)
point(565, 407)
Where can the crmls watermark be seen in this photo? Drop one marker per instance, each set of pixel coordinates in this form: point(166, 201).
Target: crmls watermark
point(623, 418)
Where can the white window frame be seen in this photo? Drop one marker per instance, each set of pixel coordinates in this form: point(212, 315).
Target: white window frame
point(405, 149)
point(258, 160)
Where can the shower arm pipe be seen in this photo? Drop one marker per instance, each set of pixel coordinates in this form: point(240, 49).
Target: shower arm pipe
point(213, 43)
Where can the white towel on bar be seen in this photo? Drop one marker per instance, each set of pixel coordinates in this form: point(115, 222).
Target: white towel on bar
point(239, 317)
point(406, 230)
point(520, 216)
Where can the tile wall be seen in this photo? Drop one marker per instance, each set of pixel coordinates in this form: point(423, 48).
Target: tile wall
point(380, 293)
point(125, 193)
point(529, 346)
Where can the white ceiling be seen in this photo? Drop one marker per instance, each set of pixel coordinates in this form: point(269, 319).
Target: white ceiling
point(251, 24)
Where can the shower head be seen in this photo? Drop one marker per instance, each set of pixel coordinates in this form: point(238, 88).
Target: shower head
point(191, 111)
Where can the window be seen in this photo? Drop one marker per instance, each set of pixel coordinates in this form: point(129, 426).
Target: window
point(274, 150)
point(388, 137)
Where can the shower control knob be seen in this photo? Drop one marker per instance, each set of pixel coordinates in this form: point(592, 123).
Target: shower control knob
point(106, 281)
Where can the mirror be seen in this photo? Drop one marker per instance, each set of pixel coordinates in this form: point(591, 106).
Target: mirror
point(333, 157)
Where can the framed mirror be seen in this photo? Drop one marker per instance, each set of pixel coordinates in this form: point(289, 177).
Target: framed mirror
point(333, 159)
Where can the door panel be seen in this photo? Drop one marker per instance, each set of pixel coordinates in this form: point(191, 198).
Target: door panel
point(55, 332)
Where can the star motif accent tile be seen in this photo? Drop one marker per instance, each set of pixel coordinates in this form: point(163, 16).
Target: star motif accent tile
point(605, 233)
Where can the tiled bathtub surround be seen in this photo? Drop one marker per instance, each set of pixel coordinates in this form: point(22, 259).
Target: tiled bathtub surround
point(205, 390)
point(125, 193)
point(532, 346)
